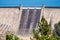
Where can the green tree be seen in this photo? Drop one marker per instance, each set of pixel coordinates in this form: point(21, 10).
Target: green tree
point(12, 37)
point(57, 28)
point(44, 27)
point(44, 31)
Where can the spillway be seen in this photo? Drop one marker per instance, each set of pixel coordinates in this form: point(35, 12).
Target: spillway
point(29, 20)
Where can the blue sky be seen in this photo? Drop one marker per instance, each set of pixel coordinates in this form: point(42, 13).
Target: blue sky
point(29, 2)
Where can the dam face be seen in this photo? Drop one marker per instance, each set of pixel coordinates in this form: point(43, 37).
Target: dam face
point(29, 19)
point(20, 20)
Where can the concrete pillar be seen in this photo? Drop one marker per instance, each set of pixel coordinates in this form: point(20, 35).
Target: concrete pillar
point(52, 24)
point(20, 14)
point(42, 11)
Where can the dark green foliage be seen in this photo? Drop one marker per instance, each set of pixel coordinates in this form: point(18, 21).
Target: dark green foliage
point(44, 27)
point(44, 31)
point(36, 34)
point(11, 37)
point(57, 28)
point(16, 38)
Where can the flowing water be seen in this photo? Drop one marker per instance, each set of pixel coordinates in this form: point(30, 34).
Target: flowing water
point(29, 20)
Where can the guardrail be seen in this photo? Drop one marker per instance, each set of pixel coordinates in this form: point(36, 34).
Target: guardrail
point(3, 28)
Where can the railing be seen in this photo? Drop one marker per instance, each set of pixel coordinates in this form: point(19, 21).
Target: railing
point(3, 28)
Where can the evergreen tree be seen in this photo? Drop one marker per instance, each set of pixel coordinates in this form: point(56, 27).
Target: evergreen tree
point(44, 31)
point(44, 27)
point(57, 28)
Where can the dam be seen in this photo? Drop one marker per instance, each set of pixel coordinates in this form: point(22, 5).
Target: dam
point(20, 20)
point(29, 20)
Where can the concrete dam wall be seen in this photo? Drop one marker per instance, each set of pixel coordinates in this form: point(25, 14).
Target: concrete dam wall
point(29, 20)
point(21, 20)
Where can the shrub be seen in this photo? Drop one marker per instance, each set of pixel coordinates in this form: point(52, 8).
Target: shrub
point(11, 37)
point(44, 31)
